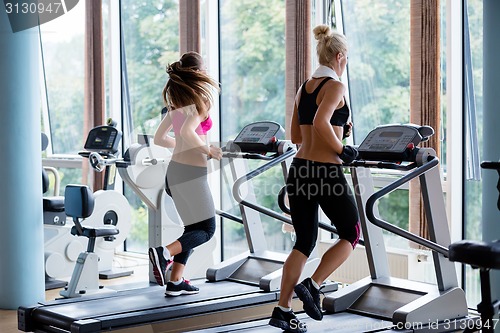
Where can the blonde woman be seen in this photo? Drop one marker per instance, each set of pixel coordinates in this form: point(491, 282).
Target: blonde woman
point(188, 96)
point(316, 180)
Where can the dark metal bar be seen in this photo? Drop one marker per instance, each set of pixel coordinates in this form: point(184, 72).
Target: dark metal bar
point(229, 216)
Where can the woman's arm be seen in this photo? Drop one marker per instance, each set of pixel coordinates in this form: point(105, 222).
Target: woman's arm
point(295, 133)
point(161, 137)
point(332, 96)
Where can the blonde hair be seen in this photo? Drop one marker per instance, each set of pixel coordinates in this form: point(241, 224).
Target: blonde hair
point(189, 84)
point(330, 43)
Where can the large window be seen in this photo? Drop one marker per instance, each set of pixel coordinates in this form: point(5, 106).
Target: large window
point(62, 76)
point(62, 42)
point(150, 32)
point(252, 76)
point(378, 34)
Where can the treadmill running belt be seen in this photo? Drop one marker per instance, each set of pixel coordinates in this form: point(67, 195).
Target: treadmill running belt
point(332, 323)
point(137, 306)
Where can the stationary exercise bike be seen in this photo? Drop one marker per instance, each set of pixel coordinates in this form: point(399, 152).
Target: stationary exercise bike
point(484, 256)
point(111, 212)
point(62, 248)
point(79, 204)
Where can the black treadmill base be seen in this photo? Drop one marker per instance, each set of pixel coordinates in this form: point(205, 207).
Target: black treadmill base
point(217, 304)
point(137, 307)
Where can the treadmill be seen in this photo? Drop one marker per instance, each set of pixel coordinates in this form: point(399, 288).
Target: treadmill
point(258, 265)
point(404, 303)
point(379, 302)
point(230, 294)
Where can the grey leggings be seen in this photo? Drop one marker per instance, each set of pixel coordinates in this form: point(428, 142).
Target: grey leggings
point(188, 186)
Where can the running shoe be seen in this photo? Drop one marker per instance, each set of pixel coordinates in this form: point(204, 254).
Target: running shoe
point(183, 288)
point(160, 264)
point(309, 296)
point(287, 321)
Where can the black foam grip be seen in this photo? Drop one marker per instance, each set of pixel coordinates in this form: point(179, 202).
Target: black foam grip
point(349, 154)
point(347, 131)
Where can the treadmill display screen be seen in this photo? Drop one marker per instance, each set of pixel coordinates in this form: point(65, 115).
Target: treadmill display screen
point(389, 134)
point(259, 129)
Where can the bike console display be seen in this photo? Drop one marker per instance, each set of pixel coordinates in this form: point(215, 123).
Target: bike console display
point(393, 142)
point(103, 139)
point(257, 137)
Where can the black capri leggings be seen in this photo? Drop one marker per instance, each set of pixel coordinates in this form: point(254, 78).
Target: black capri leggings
point(311, 185)
point(188, 186)
point(193, 236)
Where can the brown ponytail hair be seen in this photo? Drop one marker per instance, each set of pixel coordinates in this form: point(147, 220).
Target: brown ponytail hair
point(189, 84)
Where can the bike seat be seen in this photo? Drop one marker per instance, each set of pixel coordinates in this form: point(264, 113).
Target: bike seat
point(478, 254)
point(103, 231)
point(53, 204)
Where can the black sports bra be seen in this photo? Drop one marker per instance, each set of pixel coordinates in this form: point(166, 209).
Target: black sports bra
point(307, 107)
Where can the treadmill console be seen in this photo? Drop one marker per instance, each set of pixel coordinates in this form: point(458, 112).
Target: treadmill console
point(103, 139)
point(393, 142)
point(257, 137)
point(260, 132)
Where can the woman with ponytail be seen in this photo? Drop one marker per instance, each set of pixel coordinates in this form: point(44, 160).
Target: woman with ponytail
point(320, 121)
point(188, 97)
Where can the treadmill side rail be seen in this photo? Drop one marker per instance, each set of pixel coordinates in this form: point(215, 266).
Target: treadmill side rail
point(448, 305)
point(272, 281)
point(342, 299)
point(225, 269)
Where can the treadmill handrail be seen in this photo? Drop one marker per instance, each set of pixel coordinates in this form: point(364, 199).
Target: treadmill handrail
point(245, 178)
point(370, 204)
point(490, 165)
point(248, 156)
point(229, 216)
